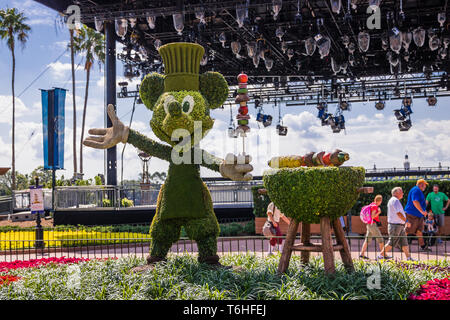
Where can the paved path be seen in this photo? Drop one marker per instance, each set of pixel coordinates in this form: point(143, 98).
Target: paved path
point(258, 246)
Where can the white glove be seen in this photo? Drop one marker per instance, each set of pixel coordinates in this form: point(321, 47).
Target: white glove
point(106, 138)
point(236, 168)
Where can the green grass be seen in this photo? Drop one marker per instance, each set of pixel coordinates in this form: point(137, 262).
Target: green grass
point(182, 277)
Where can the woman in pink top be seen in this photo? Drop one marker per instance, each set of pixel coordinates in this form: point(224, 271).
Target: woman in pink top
point(372, 227)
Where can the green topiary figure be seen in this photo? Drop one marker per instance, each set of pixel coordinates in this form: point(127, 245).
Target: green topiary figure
point(180, 100)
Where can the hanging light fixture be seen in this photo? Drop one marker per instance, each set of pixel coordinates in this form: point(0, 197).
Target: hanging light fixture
point(290, 53)
point(251, 49)
point(269, 63)
point(345, 40)
point(364, 41)
point(98, 24)
point(276, 7)
point(351, 48)
point(157, 43)
point(200, 14)
point(298, 64)
point(310, 46)
point(441, 18)
point(284, 46)
point(241, 14)
point(407, 39)
point(151, 21)
point(379, 105)
point(335, 66)
point(178, 22)
point(256, 59)
point(279, 33)
point(204, 60)
point(121, 26)
point(336, 6)
point(419, 37)
point(236, 48)
point(384, 42)
point(324, 45)
point(434, 42)
point(133, 21)
point(222, 39)
point(395, 40)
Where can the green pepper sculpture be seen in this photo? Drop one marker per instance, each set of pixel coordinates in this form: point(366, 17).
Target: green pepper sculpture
point(181, 101)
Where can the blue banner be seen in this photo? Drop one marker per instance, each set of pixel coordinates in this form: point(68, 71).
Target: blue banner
point(53, 125)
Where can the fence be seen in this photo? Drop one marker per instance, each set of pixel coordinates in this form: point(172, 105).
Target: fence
point(114, 196)
point(121, 240)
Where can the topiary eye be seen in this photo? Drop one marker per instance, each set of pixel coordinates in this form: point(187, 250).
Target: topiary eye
point(188, 104)
point(167, 101)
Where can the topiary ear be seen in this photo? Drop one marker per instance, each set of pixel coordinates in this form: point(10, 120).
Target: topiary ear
point(214, 88)
point(152, 87)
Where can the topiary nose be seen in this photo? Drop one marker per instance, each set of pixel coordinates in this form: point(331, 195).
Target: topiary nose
point(174, 108)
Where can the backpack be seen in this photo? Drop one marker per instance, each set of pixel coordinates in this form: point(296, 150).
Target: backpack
point(366, 214)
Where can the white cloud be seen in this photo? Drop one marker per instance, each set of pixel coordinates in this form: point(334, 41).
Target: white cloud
point(60, 70)
point(6, 109)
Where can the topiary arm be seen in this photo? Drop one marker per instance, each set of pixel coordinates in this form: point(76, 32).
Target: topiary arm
point(149, 146)
point(210, 161)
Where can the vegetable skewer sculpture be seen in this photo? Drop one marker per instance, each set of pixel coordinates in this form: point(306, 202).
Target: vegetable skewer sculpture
point(312, 159)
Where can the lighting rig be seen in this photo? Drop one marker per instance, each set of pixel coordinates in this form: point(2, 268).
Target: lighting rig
point(403, 115)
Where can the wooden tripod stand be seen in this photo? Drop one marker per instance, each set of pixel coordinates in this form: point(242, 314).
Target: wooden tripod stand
point(327, 248)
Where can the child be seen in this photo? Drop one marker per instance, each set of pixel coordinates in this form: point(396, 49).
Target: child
point(430, 228)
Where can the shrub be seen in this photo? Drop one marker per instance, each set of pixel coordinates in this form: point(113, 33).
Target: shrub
point(307, 194)
point(127, 203)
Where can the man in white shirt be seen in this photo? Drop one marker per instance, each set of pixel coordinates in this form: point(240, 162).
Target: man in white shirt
point(396, 224)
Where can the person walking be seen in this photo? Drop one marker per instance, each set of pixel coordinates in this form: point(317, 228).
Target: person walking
point(372, 228)
point(416, 211)
point(396, 217)
point(437, 199)
point(274, 215)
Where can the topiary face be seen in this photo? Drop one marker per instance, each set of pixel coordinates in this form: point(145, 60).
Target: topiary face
point(174, 110)
point(180, 110)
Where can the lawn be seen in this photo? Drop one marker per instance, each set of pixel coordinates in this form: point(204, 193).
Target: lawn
point(182, 277)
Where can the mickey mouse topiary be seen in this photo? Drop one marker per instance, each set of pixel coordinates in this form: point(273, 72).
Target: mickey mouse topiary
point(181, 101)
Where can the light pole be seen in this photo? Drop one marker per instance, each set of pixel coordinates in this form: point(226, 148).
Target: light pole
point(145, 183)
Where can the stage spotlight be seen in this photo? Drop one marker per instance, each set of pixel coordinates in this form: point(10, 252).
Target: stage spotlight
point(405, 125)
point(380, 105)
point(344, 105)
point(399, 115)
point(432, 101)
point(267, 120)
point(281, 130)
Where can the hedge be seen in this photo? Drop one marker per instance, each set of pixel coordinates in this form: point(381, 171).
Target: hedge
point(308, 194)
point(260, 202)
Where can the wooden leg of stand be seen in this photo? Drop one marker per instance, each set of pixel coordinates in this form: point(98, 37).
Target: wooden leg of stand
point(327, 245)
point(287, 248)
point(305, 239)
point(345, 251)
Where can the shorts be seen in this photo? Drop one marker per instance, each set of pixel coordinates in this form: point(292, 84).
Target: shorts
point(439, 219)
point(395, 232)
point(373, 231)
point(417, 224)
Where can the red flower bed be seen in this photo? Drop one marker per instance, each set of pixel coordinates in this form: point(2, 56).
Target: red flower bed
point(19, 264)
point(437, 289)
point(8, 279)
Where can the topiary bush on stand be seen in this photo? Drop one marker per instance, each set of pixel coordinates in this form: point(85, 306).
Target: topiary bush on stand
point(315, 195)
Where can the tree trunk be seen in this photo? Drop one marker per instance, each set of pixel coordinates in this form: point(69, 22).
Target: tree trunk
point(88, 71)
point(13, 134)
point(72, 58)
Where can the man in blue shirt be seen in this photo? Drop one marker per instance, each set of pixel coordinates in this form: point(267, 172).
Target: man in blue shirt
point(416, 211)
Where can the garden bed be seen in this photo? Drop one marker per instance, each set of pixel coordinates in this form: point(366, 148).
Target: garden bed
point(182, 277)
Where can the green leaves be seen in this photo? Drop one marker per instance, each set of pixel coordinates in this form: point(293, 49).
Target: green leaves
point(306, 194)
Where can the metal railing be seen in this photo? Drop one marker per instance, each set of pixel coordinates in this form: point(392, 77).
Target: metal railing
point(82, 197)
point(121, 240)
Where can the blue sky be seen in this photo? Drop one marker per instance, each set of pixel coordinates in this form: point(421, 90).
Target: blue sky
point(372, 136)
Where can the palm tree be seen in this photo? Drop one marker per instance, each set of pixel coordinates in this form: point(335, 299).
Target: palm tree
point(13, 29)
point(72, 61)
point(92, 45)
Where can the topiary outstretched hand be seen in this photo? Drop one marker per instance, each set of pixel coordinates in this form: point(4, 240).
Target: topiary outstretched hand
point(105, 138)
point(236, 168)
